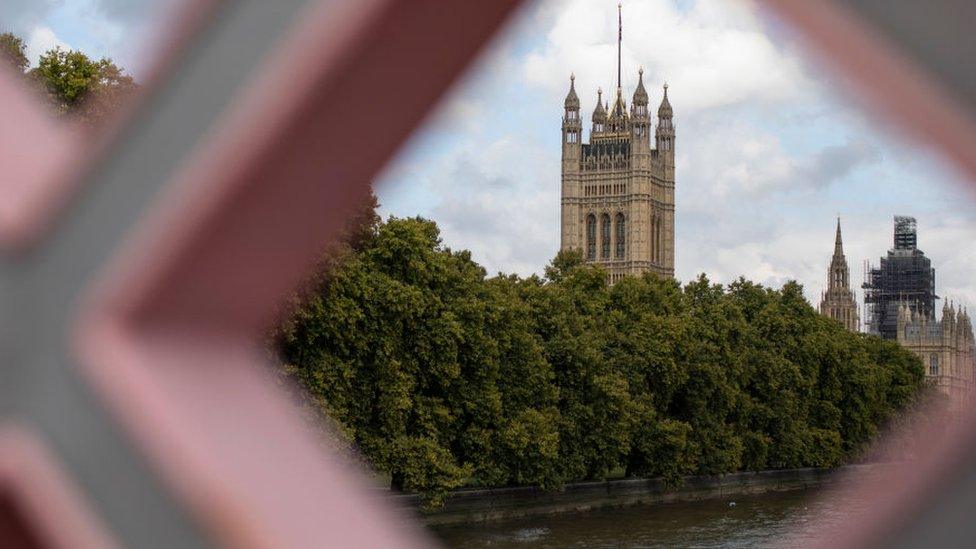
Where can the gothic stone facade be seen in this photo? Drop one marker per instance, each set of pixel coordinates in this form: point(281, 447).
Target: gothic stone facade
point(838, 301)
point(946, 348)
point(618, 191)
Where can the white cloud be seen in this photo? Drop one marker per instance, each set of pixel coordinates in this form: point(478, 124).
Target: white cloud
point(40, 40)
point(123, 30)
point(19, 16)
point(714, 54)
point(768, 155)
point(948, 243)
point(494, 197)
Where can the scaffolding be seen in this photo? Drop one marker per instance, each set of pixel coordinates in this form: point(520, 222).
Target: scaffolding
point(906, 233)
point(905, 275)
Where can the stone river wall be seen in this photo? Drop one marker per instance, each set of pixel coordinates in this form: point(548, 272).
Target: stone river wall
point(475, 505)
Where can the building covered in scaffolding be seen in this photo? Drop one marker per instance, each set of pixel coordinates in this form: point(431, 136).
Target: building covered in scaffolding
point(905, 276)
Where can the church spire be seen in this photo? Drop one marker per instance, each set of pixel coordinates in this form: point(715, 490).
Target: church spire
point(838, 302)
point(838, 242)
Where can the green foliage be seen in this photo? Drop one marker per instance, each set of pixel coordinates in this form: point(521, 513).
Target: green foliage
point(441, 376)
point(80, 86)
point(75, 85)
point(13, 51)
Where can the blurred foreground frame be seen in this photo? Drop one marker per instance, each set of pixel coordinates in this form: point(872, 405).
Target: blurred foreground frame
point(140, 268)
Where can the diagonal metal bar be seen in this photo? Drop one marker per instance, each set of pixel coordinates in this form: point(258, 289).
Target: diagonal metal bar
point(29, 171)
point(273, 133)
point(175, 120)
point(41, 504)
point(296, 178)
point(42, 284)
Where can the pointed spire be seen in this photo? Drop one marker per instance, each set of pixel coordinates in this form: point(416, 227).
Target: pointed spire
point(838, 242)
point(600, 112)
point(572, 100)
point(640, 94)
point(619, 106)
point(665, 111)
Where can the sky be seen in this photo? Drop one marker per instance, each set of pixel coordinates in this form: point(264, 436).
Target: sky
point(770, 147)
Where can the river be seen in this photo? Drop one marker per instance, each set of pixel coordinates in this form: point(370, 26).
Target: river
point(761, 520)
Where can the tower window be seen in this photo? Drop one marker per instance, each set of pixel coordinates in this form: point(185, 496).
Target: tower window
point(621, 238)
point(658, 240)
point(591, 237)
point(605, 236)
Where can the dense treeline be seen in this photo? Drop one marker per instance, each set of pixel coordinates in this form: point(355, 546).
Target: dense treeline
point(74, 85)
point(442, 377)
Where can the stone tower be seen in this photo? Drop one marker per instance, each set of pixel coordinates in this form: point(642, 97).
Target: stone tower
point(617, 191)
point(838, 301)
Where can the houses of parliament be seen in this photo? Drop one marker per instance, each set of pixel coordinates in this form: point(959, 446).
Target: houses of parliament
point(899, 299)
point(617, 197)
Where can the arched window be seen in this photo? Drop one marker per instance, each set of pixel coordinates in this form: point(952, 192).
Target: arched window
point(933, 364)
point(656, 238)
point(660, 241)
point(653, 237)
point(591, 237)
point(605, 236)
point(621, 235)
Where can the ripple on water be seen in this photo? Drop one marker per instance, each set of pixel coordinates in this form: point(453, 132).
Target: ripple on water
point(530, 535)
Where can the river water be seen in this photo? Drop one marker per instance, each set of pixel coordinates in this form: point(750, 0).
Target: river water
point(762, 520)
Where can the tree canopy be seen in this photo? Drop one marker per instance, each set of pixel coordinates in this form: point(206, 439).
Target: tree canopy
point(442, 376)
point(13, 51)
point(75, 85)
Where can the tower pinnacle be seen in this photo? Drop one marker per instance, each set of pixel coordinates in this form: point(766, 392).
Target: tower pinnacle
point(838, 242)
point(572, 100)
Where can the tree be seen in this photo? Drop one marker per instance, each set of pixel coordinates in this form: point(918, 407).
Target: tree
point(13, 51)
point(75, 85)
point(442, 377)
point(80, 87)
